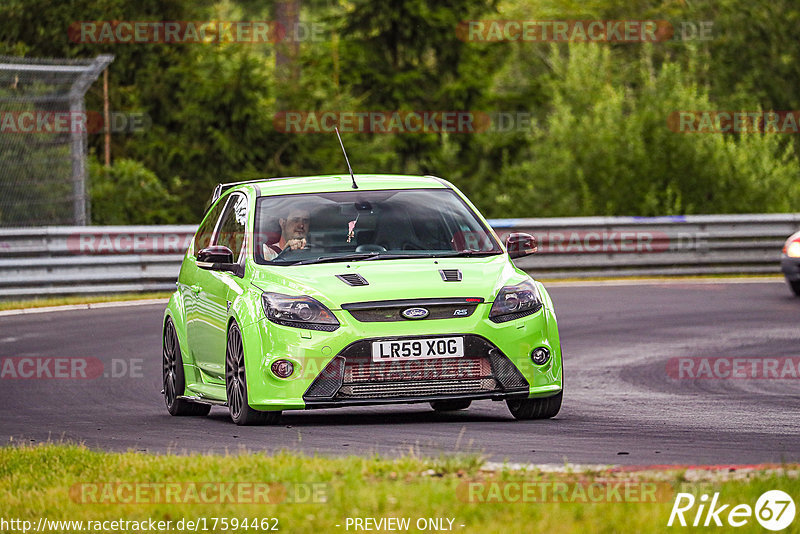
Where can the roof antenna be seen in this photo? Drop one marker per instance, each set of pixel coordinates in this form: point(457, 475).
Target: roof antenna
point(345, 158)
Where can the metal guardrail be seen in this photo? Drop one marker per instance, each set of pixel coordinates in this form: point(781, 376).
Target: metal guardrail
point(61, 260)
point(58, 260)
point(654, 246)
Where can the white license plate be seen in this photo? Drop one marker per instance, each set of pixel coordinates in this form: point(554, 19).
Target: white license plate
point(418, 349)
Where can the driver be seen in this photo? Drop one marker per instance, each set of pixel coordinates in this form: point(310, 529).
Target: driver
point(294, 230)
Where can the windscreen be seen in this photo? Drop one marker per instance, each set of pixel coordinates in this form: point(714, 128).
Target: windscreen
point(350, 226)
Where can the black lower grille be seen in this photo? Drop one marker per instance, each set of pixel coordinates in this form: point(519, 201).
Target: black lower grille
point(438, 369)
point(415, 389)
point(352, 375)
point(329, 380)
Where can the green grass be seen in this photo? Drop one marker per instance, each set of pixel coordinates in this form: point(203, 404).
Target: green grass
point(78, 299)
point(37, 481)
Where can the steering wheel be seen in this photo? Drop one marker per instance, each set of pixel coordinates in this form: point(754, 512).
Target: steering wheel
point(290, 249)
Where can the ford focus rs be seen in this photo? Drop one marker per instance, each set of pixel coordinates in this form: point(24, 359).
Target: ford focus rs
point(315, 292)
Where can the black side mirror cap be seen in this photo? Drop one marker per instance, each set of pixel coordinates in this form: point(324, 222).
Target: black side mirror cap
point(217, 258)
point(519, 245)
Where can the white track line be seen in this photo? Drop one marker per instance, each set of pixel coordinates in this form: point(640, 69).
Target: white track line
point(91, 306)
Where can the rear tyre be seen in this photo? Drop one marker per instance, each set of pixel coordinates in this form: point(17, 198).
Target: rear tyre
point(236, 385)
point(450, 405)
point(173, 379)
point(795, 285)
point(546, 408)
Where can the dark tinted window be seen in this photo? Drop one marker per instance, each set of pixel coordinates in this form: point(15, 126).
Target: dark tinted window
point(232, 225)
point(389, 223)
point(203, 236)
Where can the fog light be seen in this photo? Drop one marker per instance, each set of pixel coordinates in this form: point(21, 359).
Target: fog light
point(540, 355)
point(282, 368)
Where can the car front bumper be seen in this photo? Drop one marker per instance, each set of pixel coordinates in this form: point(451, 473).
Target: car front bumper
point(496, 364)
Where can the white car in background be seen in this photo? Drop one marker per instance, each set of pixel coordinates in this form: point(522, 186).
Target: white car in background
point(790, 262)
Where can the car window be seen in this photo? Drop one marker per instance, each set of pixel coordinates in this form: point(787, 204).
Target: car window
point(202, 238)
point(390, 223)
point(230, 232)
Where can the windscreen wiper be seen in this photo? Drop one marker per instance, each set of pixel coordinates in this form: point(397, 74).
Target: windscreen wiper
point(365, 256)
point(473, 253)
point(346, 257)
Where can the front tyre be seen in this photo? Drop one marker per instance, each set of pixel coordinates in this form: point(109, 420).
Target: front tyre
point(173, 379)
point(795, 285)
point(236, 385)
point(545, 408)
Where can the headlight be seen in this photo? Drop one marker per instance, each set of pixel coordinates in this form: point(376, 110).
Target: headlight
point(299, 312)
point(792, 249)
point(513, 302)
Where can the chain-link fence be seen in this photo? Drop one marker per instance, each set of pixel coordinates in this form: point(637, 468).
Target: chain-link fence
point(43, 140)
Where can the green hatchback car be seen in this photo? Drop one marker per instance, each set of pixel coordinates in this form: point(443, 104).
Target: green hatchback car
point(327, 291)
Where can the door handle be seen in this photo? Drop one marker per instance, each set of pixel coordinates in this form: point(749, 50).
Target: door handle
point(195, 289)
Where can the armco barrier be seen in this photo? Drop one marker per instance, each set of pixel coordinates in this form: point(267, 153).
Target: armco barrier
point(108, 259)
point(59, 260)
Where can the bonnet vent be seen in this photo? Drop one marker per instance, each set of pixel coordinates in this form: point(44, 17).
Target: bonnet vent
point(353, 279)
point(450, 275)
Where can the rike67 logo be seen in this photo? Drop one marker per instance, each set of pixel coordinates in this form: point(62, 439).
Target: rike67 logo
point(774, 510)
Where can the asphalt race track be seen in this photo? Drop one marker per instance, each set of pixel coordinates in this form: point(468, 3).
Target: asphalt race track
point(621, 406)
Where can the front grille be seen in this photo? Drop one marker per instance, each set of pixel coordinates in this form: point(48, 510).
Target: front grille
point(484, 370)
point(391, 310)
point(375, 315)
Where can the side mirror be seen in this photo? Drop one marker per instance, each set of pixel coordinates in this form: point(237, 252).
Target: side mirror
point(217, 258)
point(519, 245)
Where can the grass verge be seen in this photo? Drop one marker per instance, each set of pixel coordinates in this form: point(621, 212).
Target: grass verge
point(78, 299)
point(315, 494)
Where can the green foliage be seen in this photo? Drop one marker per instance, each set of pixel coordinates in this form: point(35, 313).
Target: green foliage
point(599, 141)
point(606, 149)
point(129, 193)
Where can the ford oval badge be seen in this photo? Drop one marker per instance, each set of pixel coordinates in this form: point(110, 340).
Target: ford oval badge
point(415, 313)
